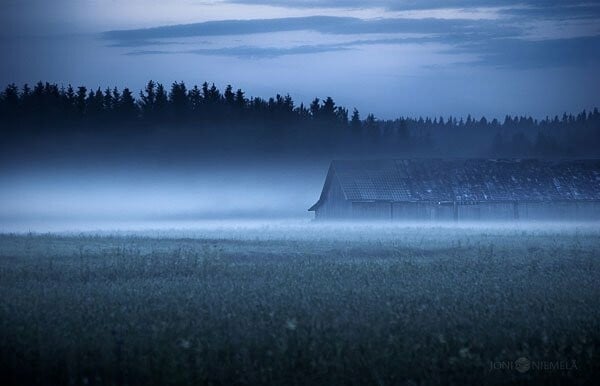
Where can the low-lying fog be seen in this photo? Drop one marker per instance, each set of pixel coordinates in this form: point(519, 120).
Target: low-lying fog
point(204, 198)
point(126, 196)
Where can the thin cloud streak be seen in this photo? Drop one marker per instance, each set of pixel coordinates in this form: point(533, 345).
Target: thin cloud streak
point(255, 52)
point(407, 5)
point(323, 24)
point(247, 52)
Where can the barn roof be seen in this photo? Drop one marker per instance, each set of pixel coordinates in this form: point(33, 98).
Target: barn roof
point(466, 180)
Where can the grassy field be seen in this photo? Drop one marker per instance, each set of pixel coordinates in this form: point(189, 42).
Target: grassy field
point(302, 305)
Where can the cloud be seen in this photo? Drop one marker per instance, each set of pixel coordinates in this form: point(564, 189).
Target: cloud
point(560, 12)
point(494, 42)
point(143, 42)
point(149, 52)
point(323, 24)
point(251, 52)
point(527, 54)
point(405, 5)
point(504, 53)
point(256, 52)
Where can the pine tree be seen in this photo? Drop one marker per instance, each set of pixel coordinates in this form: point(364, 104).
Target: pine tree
point(240, 100)
point(356, 123)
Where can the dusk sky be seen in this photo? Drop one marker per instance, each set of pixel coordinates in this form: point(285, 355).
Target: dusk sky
point(389, 57)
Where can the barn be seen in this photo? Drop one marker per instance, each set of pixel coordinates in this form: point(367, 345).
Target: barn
point(460, 190)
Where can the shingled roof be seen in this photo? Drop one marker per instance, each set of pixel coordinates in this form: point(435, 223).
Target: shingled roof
point(467, 180)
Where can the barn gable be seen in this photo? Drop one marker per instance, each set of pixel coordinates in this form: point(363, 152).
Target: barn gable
point(333, 200)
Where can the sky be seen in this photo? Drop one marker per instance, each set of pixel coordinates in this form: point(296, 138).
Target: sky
point(387, 57)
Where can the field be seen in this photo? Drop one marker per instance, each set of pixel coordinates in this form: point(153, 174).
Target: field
point(302, 304)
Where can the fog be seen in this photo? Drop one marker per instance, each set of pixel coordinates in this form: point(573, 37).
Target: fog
point(212, 197)
point(126, 195)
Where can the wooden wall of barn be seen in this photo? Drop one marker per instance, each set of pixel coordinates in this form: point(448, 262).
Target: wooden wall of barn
point(422, 211)
point(488, 211)
point(336, 207)
point(568, 210)
point(530, 211)
point(372, 210)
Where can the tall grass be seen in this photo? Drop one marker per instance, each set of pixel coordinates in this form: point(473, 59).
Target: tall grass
point(352, 305)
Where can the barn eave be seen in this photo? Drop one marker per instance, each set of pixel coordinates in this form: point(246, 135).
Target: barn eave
point(315, 206)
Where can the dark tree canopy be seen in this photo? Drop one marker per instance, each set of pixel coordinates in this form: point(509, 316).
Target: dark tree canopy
point(206, 118)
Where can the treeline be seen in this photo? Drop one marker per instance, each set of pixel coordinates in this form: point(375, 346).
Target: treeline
point(207, 118)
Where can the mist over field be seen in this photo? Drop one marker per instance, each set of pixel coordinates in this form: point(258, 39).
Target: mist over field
point(43, 197)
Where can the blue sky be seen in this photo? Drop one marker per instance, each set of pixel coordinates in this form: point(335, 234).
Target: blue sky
point(389, 57)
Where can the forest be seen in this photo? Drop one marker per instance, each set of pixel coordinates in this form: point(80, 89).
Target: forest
point(179, 119)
